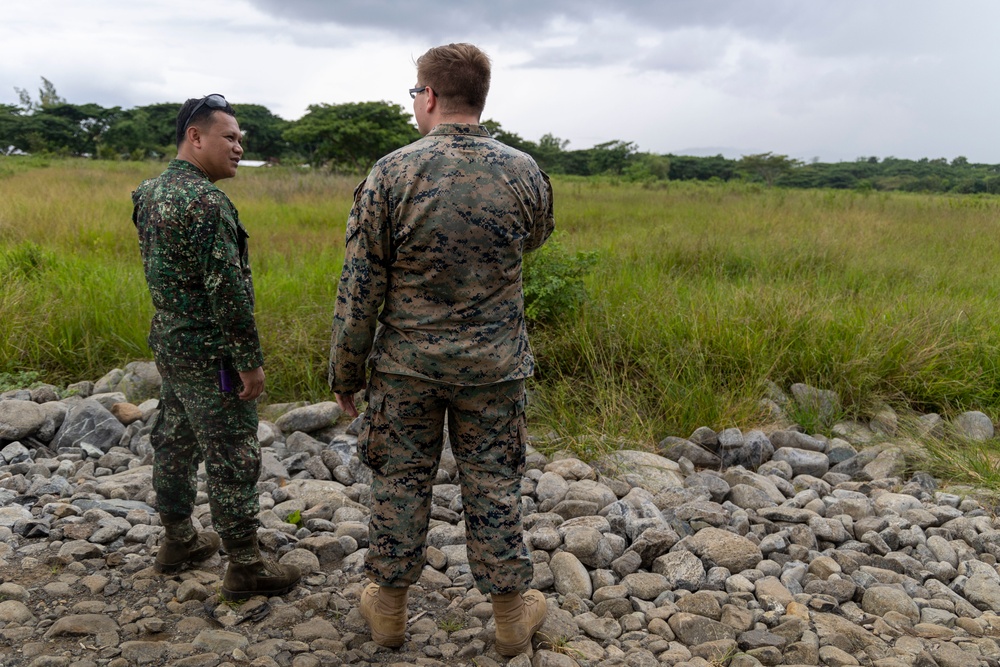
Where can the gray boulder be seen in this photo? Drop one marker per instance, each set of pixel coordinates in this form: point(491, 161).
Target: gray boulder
point(973, 425)
point(140, 382)
point(825, 405)
point(718, 547)
point(803, 461)
point(19, 419)
point(309, 418)
point(87, 421)
point(108, 383)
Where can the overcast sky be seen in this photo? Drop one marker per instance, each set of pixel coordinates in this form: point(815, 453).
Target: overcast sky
point(833, 79)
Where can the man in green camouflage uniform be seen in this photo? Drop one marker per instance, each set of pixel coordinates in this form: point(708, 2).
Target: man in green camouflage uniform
point(196, 261)
point(433, 262)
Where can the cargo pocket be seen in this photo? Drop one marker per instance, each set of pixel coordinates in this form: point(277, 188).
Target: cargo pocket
point(515, 435)
point(371, 440)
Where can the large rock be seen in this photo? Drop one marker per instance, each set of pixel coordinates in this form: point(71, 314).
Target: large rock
point(803, 461)
point(82, 624)
point(682, 570)
point(55, 414)
point(571, 575)
point(134, 484)
point(718, 547)
point(837, 631)
point(823, 404)
point(694, 630)
point(141, 382)
point(108, 383)
point(309, 418)
point(756, 449)
point(87, 421)
point(651, 472)
point(879, 600)
point(315, 492)
point(674, 448)
point(973, 425)
point(19, 419)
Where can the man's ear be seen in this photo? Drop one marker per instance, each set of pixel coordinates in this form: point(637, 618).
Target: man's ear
point(193, 135)
point(431, 102)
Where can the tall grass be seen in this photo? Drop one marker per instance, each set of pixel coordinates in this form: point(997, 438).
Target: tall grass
point(709, 291)
point(81, 307)
point(702, 295)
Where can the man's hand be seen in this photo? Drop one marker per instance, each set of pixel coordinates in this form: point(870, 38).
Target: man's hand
point(253, 383)
point(346, 403)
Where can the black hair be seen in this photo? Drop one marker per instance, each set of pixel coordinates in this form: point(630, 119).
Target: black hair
point(184, 122)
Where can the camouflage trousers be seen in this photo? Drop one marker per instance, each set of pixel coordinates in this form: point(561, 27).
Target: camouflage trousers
point(196, 423)
point(401, 441)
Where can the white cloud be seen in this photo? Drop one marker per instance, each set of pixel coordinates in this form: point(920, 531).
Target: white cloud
point(835, 78)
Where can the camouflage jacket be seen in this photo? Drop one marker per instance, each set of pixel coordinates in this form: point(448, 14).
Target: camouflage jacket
point(435, 239)
point(197, 265)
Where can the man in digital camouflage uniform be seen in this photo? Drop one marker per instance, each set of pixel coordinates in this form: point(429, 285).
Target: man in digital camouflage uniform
point(435, 239)
point(195, 257)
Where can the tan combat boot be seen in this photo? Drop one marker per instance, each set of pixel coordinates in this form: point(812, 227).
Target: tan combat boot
point(518, 617)
point(385, 610)
point(249, 573)
point(183, 545)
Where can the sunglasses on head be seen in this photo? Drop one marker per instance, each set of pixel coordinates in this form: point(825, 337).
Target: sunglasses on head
point(213, 101)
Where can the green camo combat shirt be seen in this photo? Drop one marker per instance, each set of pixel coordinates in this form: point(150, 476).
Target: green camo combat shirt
point(435, 238)
point(197, 264)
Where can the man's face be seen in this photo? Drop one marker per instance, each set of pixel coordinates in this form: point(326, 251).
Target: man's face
point(221, 147)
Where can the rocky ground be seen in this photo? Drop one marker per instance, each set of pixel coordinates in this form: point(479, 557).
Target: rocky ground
point(730, 547)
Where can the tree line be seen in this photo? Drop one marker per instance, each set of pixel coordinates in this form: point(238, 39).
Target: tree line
point(351, 136)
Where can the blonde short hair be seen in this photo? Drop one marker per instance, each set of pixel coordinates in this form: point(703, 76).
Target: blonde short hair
point(459, 74)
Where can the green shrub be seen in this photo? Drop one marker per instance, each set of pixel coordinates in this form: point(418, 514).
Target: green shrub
point(553, 281)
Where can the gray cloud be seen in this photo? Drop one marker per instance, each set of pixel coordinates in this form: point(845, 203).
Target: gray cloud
point(836, 78)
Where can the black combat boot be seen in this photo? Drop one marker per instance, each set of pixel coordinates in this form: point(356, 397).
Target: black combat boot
point(249, 573)
point(183, 545)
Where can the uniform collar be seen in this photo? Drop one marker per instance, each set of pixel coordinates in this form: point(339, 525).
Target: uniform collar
point(184, 165)
point(459, 128)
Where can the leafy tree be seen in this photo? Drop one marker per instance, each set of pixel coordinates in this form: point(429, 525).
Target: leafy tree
point(549, 153)
point(510, 138)
point(46, 133)
point(90, 122)
point(687, 167)
point(262, 131)
point(10, 127)
point(161, 119)
point(351, 136)
point(767, 167)
point(47, 97)
point(611, 157)
point(130, 136)
point(647, 167)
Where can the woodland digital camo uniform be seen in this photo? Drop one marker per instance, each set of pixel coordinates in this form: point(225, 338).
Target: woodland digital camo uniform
point(435, 238)
point(195, 256)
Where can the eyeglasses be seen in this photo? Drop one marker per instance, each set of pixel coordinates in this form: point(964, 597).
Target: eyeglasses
point(213, 101)
point(416, 91)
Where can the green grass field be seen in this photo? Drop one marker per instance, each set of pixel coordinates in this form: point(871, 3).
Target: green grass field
point(703, 292)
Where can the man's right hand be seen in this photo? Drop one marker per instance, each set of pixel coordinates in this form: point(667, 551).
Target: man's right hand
point(346, 403)
point(253, 383)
